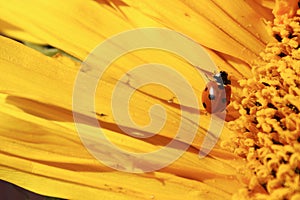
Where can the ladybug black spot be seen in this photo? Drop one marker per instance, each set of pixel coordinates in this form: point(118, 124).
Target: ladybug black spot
point(224, 100)
point(206, 89)
point(204, 105)
point(211, 97)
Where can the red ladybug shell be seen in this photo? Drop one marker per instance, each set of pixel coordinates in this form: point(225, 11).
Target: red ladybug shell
point(216, 97)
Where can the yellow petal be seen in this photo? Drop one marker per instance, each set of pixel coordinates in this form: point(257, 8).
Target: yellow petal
point(288, 7)
point(42, 115)
point(266, 3)
point(78, 26)
point(41, 97)
point(234, 29)
point(73, 26)
point(51, 152)
point(32, 79)
point(16, 32)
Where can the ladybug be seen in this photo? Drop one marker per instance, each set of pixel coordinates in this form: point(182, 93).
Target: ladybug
point(216, 95)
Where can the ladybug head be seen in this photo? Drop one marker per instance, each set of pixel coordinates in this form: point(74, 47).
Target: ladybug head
point(222, 78)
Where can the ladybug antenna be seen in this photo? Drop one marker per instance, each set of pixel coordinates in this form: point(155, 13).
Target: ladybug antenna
point(209, 79)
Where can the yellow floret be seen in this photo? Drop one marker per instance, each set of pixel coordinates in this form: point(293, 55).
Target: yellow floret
point(268, 128)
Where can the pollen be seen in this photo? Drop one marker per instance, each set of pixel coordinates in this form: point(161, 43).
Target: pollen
point(268, 128)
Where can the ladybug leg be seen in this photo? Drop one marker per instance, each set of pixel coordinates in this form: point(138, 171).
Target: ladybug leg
point(203, 111)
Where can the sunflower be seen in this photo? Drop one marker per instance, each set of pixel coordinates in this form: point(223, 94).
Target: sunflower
point(256, 42)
